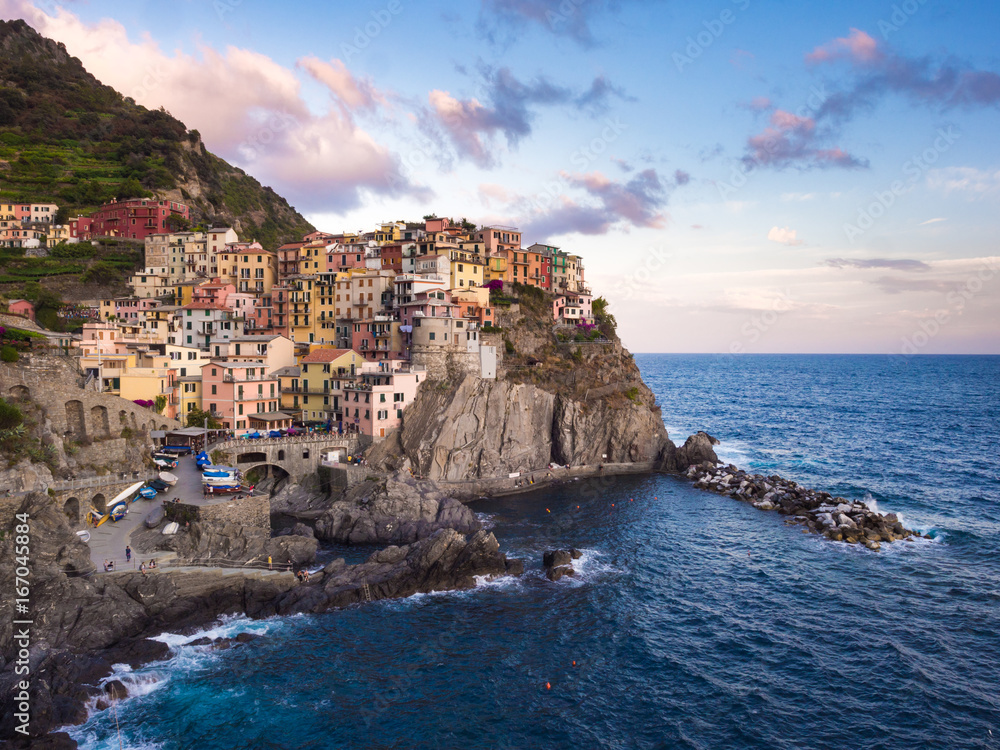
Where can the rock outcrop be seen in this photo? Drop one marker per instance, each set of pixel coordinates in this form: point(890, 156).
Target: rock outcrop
point(85, 623)
point(444, 561)
point(398, 510)
point(559, 563)
point(837, 519)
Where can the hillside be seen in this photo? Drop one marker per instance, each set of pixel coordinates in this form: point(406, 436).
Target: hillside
point(68, 139)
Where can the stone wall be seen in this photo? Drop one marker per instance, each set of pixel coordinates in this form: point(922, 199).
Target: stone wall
point(298, 458)
point(80, 415)
point(252, 511)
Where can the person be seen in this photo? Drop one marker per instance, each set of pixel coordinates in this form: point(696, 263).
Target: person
point(289, 566)
point(105, 566)
point(301, 576)
point(142, 569)
point(128, 553)
point(152, 564)
point(269, 563)
point(307, 576)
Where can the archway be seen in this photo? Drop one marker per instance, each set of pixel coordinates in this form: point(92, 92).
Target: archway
point(72, 510)
point(250, 458)
point(99, 502)
point(99, 422)
point(270, 476)
point(281, 454)
point(20, 392)
point(123, 417)
point(76, 427)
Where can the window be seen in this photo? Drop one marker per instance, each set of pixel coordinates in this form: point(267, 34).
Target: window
point(381, 398)
point(214, 392)
point(431, 335)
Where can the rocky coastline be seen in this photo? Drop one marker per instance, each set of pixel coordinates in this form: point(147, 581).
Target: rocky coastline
point(836, 518)
point(86, 623)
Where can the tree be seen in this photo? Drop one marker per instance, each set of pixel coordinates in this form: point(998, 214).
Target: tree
point(196, 418)
point(160, 403)
point(430, 217)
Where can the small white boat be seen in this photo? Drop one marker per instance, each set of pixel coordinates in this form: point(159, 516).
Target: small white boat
point(84, 535)
point(168, 478)
point(171, 528)
point(219, 481)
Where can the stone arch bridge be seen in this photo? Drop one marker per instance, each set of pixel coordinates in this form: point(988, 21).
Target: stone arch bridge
point(295, 457)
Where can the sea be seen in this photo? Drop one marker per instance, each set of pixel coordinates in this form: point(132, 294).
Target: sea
point(694, 621)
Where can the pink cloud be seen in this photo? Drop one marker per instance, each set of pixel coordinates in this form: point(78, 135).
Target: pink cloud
point(355, 94)
point(858, 46)
point(791, 139)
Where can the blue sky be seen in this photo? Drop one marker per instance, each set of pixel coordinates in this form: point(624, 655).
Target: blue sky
point(739, 176)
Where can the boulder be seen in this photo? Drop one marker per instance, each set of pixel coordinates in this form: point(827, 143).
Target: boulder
point(556, 558)
point(554, 574)
point(116, 690)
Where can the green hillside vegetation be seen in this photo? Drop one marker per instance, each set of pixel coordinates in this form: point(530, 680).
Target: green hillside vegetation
point(66, 138)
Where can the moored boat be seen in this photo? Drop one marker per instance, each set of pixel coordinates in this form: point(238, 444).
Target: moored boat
point(168, 478)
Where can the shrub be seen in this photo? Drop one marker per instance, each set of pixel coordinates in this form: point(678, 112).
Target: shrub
point(508, 346)
point(10, 415)
point(8, 353)
point(632, 394)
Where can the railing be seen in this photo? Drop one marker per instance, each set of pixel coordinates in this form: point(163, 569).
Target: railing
point(311, 437)
point(120, 478)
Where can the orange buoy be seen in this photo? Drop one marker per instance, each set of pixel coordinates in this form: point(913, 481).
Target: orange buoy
point(547, 510)
point(574, 664)
point(548, 685)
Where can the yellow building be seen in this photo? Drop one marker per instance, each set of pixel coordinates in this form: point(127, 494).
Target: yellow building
point(301, 314)
point(467, 270)
point(254, 271)
point(289, 386)
point(189, 396)
point(147, 383)
point(324, 372)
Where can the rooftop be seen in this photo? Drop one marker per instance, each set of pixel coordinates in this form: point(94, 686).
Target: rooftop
point(325, 355)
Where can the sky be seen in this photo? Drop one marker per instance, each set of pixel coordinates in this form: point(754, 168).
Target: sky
point(738, 175)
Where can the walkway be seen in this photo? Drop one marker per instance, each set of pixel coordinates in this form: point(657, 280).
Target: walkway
point(109, 541)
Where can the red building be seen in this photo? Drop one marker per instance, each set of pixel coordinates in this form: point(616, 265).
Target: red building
point(132, 219)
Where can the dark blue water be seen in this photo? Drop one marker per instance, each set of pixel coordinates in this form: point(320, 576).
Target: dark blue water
point(696, 622)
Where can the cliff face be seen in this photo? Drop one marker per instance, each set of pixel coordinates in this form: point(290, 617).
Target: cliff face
point(561, 401)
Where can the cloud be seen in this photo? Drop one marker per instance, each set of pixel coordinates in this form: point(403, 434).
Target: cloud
point(784, 236)
point(858, 47)
point(898, 285)
point(247, 107)
point(566, 18)
point(973, 183)
point(506, 107)
point(740, 57)
point(600, 204)
point(490, 193)
point(759, 104)
point(881, 71)
point(352, 93)
point(930, 221)
point(867, 263)
point(792, 140)
point(876, 72)
point(788, 197)
point(681, 177)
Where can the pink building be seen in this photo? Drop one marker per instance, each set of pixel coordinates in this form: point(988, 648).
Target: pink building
point(241, 395)
point(22, 307)
point(216, 292)
point(374, 405)
point(434, 304)
point(379, 339)
point(343, 257)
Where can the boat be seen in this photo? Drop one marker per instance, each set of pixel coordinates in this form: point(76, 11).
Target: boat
point(168, 478)
point(228, 489)
point(162, 464)
point(84, 535)
point(95, 517)
point(159, 486)
point(219, 481)
point(118, 512)
point(171, 528)
point(148, 492)
point(220, 471)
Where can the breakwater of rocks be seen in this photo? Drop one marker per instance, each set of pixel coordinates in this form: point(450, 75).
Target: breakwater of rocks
point(836, 518)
